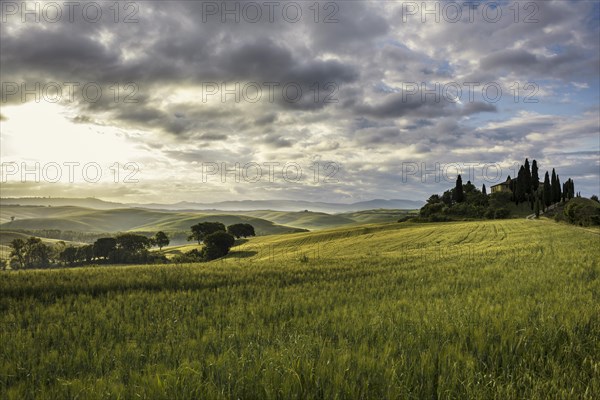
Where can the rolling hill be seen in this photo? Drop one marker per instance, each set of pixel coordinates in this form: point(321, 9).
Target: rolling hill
point(73, 218)
point(120, 220)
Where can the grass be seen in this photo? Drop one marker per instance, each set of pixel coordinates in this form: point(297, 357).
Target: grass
point(495, 309)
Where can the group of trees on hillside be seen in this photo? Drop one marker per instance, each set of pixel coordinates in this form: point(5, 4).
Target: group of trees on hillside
point(540, 195)
point(467, 201)
point(217, 240)
point(126, 248)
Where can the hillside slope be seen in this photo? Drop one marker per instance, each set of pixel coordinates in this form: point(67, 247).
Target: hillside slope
point(405, 241)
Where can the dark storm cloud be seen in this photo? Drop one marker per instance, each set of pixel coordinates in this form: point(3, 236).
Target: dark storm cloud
point(276, 141)
point(213, 137)
point(509, 58)
point(265, 119)
point(400, 105)
point(54, 52)
point(357, 23)
point(571, 62)
point(378, 136)
point(478, 107)
point(397, 105)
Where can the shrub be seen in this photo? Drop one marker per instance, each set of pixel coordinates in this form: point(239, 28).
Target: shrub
point(583, 212)
point(501, 213)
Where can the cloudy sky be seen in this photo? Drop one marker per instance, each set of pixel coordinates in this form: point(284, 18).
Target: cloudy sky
point(340, 101)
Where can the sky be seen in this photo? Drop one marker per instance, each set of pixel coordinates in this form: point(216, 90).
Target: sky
point(340, 101)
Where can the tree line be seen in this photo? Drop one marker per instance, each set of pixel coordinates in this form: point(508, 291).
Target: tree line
point(126, 248)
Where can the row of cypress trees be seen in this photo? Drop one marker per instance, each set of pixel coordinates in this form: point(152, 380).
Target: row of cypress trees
point(527, 188)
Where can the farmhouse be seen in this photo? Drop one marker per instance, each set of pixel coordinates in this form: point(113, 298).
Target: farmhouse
point(502, 186)
point(505, 186)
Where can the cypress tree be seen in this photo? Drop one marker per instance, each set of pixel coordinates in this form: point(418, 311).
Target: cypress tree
point(458, 190)
point(520, 186)
point(547, 191)
point(527, 176)
point(553, 187)
point(511, 187)
point(537, 206)
point(483, 189)
point(535, 179)
point(571, 189)
point(558, 193)
point(531, 197)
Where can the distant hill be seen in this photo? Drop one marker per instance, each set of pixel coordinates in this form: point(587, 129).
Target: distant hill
point(241, 205)
point(292, 205)
point(88, 202)
point(69, 218)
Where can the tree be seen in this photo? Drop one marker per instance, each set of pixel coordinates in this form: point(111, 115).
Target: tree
point(434, 198)
point(217, 245)
point(17, 253)
point(244, 230)
point(103, 247)
point(68, 255)
point(553, 185)
point(458, 190)
point(568, 190)
point(483, 189)
point(161, 240)
point(547, 193)
point(527, 178)
point(557, 192)
point(520, 186)
point(595, 198)
point(203, 229)
point(447, 197)
point(37, 254)
point(537, 206)
point(535, 179)
point(132, 243)
point(85, 253)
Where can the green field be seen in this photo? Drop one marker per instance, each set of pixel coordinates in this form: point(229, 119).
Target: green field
point(505, 309)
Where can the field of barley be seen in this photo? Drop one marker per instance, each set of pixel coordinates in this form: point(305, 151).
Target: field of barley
point(466, 310)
